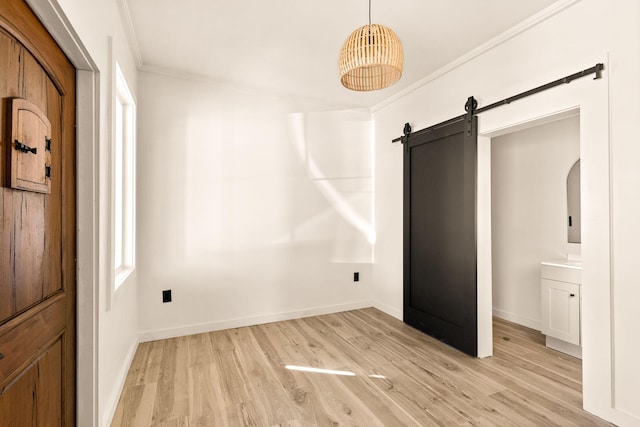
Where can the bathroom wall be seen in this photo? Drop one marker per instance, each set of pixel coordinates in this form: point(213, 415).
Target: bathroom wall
point(529, 212)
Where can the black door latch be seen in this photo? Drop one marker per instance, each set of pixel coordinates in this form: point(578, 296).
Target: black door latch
point(25, 148)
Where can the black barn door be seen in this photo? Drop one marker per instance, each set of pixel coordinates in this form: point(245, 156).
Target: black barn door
point(440, 296)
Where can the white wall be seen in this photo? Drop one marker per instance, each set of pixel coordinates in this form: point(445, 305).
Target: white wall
point(587, 32)
point(250, 208)
point(96, 25)
point(529, 206)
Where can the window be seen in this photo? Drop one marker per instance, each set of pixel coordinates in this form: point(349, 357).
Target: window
point(124, 116)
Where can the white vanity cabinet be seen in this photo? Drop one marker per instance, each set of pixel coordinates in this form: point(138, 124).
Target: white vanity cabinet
point(560, 281)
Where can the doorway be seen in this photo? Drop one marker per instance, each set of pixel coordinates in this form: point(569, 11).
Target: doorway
point(589, 98)
point(59, 27)
point(529, 171)
point(529, 195)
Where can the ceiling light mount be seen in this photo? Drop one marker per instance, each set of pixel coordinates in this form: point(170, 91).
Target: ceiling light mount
point(371, 58)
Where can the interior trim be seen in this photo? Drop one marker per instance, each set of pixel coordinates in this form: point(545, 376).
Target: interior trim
point(87, 221)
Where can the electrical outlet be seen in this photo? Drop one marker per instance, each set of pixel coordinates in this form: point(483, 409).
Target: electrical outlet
point(166, 296)
point(356, 277)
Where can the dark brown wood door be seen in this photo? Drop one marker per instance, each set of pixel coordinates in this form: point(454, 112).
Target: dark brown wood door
point(37, 224)
point(440, 296)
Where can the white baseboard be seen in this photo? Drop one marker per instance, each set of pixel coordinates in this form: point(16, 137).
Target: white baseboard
point(159, 334)
point(112, 402)
point(564, 347)
point(388, 309)
point(515, 318)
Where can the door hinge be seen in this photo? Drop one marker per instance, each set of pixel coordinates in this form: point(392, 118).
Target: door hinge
point(47, 171)
point(25, 148)
point(47, 144)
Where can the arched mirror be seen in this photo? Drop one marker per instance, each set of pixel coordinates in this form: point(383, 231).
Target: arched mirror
point(573, 203)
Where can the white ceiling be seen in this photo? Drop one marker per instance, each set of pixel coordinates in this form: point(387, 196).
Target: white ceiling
point(291, 46)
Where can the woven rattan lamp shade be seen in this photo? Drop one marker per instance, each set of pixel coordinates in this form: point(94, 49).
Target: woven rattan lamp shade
point(371, 59)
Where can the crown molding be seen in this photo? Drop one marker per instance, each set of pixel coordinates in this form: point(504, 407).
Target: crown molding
point(127, 23)
point(310, 102)
point(512, 32)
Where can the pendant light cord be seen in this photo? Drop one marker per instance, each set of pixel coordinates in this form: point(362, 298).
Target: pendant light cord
point(369, 12)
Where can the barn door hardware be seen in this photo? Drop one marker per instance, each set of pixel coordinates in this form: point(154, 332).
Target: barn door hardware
point(471, 107)
point(25, 148)
point(405, 139)
point(406, 131)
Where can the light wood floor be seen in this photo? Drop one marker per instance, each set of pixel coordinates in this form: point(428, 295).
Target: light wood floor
point(401, 378)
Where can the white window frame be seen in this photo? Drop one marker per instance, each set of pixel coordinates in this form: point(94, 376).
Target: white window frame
point(123, 180)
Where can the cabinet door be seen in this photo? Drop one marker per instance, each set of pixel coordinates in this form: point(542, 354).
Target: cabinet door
point(561, 310)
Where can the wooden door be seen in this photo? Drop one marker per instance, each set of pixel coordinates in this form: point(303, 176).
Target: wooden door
point(37, 224)
point(440, 295)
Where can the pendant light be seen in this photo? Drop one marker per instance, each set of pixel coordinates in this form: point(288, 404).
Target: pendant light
point(371, 58)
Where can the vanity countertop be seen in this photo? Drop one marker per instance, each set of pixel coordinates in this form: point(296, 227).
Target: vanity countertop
point(564, 263)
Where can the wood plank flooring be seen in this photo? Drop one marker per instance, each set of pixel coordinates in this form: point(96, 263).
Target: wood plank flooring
point(397, 377)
